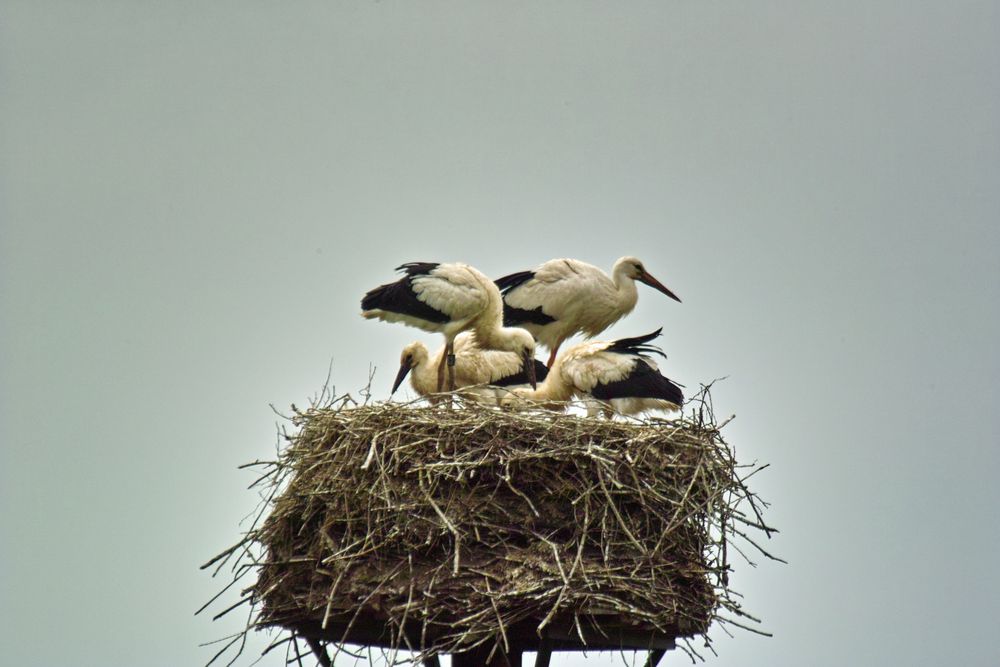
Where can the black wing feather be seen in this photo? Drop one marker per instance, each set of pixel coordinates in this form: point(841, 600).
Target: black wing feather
point(507, 283)
point(399, 297)
point(515, 316)
point(643, 382)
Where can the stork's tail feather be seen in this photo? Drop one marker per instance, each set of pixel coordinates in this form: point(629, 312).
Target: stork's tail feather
point(637, 345)
point(417, 268)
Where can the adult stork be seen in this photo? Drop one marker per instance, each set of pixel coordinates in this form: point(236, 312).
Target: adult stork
point(474, 367)
point(563, 297)
point(616, 376)
point(449, 299)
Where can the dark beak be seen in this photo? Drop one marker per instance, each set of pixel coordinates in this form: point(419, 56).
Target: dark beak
point(529, 369)
point(404, 370)
point(657, 285)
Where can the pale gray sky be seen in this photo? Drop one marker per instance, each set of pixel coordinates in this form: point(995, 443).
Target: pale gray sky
point(194, 196)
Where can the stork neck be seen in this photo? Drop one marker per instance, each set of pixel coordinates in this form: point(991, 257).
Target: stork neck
point(624, 286)
point(553, 388)
point(493, 337)
point(423, 378)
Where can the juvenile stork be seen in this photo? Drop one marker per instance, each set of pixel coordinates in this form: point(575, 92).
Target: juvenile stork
point(563, 297)
point(474, 366)
point(450, 299)
point(615, 376)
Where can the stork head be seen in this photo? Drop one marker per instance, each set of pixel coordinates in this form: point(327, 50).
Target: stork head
point(634, 269)
point(523, 344)
point(412, 356)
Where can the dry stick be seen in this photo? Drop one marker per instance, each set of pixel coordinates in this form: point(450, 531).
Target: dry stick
point(371, 453)
point(225, 648)
point(614, 510)
point(243, 641)
point(401, 636)
point(449, 524)
point(329, 600)
point(758, 547)
point(215, 597)
point(562, 591)
point(231, 607)
point(276, 643)
point(500, 623)
point(298, 655)
point(354, 618)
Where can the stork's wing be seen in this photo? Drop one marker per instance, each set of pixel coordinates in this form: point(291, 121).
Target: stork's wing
point(550, 289)
point(588, 365)
point(397, 301)
point(453, 289)
point(477, 365)
point(645, 381)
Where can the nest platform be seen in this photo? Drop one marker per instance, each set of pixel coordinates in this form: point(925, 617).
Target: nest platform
point(447, 530)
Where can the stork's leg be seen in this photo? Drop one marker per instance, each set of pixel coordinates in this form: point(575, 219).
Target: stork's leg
point(451, 365)
point(440, 386)
point(552, 357)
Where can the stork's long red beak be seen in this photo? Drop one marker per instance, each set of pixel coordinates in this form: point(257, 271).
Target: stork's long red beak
point(404, 369)
point(529, 369)
point(657, 285)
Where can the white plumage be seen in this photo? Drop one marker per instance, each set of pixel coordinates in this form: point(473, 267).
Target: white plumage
point(563, 297)
point(449, 299)
point(474, 367)
point(613, 376)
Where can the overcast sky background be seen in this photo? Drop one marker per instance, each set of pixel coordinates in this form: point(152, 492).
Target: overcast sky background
point(194, 196)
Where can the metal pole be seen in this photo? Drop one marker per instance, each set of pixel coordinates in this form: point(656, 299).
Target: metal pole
point(319, 651)
point(544, 656)
point(654, 657)
point(477, 657)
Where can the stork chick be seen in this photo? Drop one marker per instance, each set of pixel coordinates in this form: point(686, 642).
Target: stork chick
point(449, 299)
point(474, 367)
point(615, 376)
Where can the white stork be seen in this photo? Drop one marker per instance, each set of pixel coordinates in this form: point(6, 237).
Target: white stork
point(450, 299)
point(615, 376)
point(563, 297)
point(474, 366)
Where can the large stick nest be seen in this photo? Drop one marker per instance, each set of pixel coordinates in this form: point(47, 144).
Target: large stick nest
point(435, 529)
